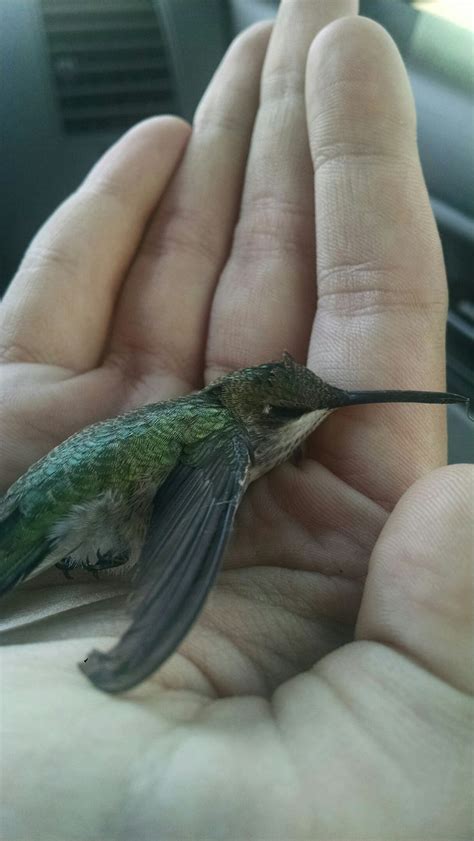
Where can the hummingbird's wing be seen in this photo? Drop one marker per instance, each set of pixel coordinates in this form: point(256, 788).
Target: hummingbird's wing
point(11, 526)
point(193, 512)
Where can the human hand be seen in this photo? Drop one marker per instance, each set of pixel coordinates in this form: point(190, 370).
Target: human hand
point(117, 304)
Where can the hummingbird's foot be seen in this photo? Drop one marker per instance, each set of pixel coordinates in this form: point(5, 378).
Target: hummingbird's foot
point(106, 560)
point(65, 569)
point(92, 568)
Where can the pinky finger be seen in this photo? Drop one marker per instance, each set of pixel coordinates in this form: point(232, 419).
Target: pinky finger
point(57, 309)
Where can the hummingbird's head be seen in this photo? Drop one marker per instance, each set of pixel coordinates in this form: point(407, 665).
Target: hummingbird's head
point(276, 393)
point(280, 403)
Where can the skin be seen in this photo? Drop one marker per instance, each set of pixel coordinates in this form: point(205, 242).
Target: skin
point(325, 691)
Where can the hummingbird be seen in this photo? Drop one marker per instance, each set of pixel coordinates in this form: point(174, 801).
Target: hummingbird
point(158, 489)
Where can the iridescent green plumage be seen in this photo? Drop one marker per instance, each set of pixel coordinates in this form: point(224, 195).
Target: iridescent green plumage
point(123, 453)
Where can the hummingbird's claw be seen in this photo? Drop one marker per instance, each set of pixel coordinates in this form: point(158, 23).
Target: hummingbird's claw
point(65, 570)
point(104, 561)
point(91, 568)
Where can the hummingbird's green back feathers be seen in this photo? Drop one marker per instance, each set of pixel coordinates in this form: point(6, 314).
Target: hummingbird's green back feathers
point(118, 458)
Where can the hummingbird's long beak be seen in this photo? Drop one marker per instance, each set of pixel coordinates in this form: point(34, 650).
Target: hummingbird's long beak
point(356, 398)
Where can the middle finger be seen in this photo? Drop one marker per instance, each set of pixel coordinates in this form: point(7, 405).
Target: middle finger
point(265, 300)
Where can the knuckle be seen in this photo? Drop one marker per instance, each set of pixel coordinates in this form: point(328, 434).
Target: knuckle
point(185, 230)
point(369, 289)
point(336, 153)
point(218, 118)
point(273, 226)
point(13, 351)
point(42, 257)
point(282, 82)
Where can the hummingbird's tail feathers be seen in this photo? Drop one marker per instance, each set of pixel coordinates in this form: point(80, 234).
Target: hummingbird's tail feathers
point(356, 398)
point(193, 512)
point(15, 566)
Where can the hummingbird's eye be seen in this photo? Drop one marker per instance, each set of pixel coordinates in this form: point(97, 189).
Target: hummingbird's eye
point(285, 413)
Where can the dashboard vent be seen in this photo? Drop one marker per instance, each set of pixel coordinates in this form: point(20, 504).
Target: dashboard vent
point(109, 63)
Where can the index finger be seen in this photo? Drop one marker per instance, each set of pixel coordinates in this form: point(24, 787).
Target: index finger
point(381, 283)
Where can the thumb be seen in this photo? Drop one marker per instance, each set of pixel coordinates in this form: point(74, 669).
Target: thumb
point(418, 595)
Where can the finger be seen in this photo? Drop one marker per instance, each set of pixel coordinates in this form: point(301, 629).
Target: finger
point(163, 314)
point(418, 596)
point(265, 300)
point(58, 307)
point(381, 283)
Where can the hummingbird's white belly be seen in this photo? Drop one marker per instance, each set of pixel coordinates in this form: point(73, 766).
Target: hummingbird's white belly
point(106, 527)
point(275, 448)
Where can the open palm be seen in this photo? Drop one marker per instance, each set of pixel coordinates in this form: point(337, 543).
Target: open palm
point(182, 256)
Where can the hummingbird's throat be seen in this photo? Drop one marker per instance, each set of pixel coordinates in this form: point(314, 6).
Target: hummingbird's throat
point(275, 447)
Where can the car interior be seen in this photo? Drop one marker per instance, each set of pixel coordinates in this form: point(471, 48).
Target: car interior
point(78, 73)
